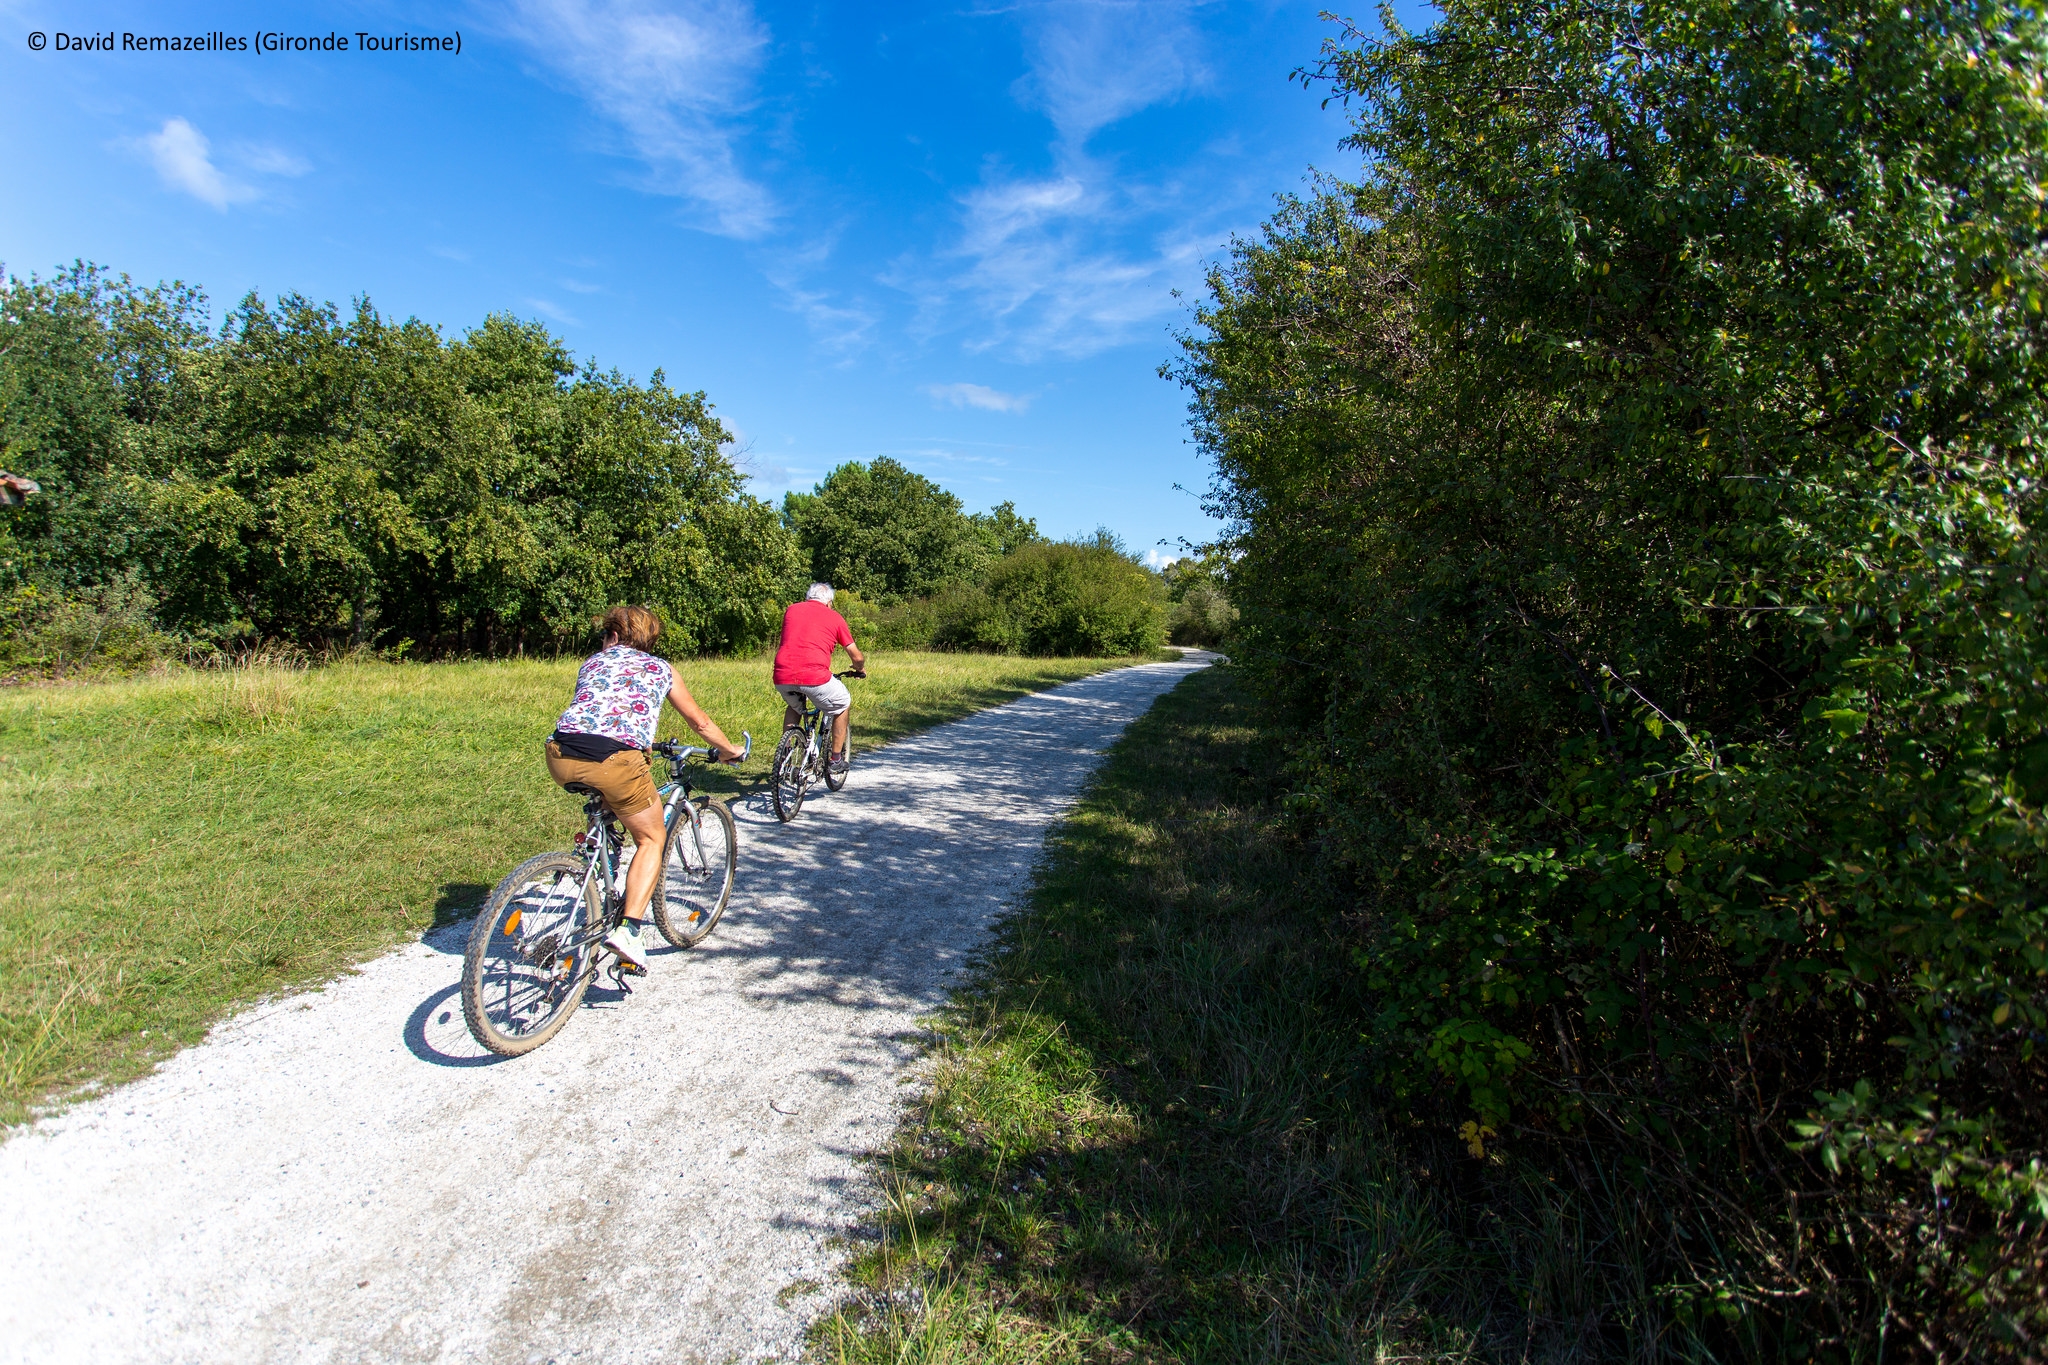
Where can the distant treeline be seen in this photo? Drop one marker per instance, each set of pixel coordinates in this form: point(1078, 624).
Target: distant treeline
point(334, 482)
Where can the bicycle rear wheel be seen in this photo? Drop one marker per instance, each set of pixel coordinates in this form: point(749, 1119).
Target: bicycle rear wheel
point(696, 876)
point(790, 775)
point(529, 958)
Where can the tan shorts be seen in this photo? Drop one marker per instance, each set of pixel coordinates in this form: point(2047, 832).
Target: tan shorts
point(625, 780)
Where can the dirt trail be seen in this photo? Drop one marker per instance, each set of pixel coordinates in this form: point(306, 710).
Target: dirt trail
point(344, 1175)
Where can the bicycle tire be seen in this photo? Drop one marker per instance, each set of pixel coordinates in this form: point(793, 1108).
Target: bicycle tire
point(790, 775)
point(502, 978)
point(837, 781)
point(697, 873)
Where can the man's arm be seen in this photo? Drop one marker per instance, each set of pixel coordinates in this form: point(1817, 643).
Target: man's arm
point(860, 660)
point(695, 717)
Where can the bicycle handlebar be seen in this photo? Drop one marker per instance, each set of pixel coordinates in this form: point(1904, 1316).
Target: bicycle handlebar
point(852, 673)
point(669, 749)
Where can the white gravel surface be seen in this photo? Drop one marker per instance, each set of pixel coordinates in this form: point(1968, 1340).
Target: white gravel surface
point(343, 1175)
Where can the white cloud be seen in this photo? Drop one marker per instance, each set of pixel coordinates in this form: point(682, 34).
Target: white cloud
point(1081, 258)
point(1060, 265)
point(184, 159)
point(1154, 559)
point(1094, 62)
point(977, 396)
point(676, 78)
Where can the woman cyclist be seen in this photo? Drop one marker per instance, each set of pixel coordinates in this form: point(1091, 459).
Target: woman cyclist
point(603, 739)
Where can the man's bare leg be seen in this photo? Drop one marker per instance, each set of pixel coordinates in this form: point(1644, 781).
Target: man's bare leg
point(839, 724)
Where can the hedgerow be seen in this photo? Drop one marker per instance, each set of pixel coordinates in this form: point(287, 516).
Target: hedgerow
point(1634, 485)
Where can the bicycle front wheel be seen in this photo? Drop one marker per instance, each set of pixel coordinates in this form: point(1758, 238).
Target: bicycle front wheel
point(790, 775)
point(529, 959)
point(696, 877)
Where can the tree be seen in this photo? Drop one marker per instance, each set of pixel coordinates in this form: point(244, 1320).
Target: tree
point(890, 534)
point(334, 480)
point(1003, 531)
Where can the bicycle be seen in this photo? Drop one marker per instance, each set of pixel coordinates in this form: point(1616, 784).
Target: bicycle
point(804, 755)
point(538, 941)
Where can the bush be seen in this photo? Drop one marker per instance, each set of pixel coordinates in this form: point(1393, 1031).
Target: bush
point(1065, 599)
point(1201, 614)
point(104, 629)
point(1633, 491)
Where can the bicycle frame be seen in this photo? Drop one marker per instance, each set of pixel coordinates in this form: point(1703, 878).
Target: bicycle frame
point(600, 847)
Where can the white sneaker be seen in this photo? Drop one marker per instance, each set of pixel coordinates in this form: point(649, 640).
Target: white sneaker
point(626, 944)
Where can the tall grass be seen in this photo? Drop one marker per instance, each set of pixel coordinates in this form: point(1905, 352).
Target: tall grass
point(182, 843)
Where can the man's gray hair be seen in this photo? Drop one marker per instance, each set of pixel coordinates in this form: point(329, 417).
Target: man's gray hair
point(820, 592)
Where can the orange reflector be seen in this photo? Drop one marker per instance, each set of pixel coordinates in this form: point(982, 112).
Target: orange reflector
point(512, 921)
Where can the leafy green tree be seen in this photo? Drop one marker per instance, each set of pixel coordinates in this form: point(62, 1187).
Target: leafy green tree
point(1003, 531)
point(335, 480)
point(890, 534)
point(1633, 487)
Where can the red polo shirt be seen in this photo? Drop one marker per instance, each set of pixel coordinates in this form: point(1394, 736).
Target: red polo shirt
point(809, 632)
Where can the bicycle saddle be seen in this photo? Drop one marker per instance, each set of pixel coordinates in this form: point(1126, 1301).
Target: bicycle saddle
point(580, 788)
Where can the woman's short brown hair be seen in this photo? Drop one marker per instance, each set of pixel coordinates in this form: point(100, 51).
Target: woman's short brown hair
point(636, 627)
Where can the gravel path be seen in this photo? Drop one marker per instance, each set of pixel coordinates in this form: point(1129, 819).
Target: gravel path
point(343, 1175)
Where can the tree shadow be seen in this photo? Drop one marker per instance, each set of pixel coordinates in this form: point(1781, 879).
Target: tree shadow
point(458, 901)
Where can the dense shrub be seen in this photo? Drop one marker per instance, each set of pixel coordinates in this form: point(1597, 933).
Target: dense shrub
point(336, 481)
point(1064, 598)
point(108, 628)
point(1201, 614)
point(1634, 489)
point(1044, 598)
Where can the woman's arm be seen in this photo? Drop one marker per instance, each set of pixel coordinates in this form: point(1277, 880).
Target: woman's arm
point(694, 716)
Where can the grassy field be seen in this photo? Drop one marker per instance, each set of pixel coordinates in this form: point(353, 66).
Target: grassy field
point(181, 844)
point(1149, 1135)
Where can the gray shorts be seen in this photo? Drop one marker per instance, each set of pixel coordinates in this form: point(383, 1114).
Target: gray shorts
point(830, 696)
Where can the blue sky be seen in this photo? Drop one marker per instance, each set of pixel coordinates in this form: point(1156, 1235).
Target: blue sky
point(950, 234)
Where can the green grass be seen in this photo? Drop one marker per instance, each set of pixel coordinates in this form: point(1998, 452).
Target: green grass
point(182, 844)
point(1147, 1134)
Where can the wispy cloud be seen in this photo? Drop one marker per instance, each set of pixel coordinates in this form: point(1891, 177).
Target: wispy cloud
point(1094, 62)
point(1081, 258)
point(554, 311)
point(183, 157)
point(264, 159)
point(841, 325)
point(977, 396)
point(676, 77)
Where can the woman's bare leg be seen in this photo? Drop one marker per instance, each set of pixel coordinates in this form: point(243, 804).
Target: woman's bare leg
point(649, 844)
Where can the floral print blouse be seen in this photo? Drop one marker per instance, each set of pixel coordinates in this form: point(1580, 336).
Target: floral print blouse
point(619, 692)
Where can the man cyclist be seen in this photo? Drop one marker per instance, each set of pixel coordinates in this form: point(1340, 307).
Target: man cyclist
point(602, 741)
point(811, 630)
